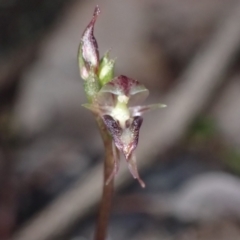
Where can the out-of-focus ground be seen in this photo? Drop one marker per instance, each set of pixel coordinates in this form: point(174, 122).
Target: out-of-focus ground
point(48, 141)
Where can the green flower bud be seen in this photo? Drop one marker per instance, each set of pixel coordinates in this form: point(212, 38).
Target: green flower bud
point(106, 69)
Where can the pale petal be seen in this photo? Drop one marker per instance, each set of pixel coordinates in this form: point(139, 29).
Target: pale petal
point(138, 95)
point(140, 110)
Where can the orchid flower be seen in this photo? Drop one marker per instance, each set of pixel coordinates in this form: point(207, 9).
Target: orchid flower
point(115, 100)
point(123, 122)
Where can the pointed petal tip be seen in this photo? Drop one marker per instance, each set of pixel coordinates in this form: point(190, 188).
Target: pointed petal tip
point(90, 107)
point(133, 169)
point(108, 52)
point(110, 178)
point(162, 105)
point(141, 182)
point(87, 105)
point(108, 181)
point(96, 11)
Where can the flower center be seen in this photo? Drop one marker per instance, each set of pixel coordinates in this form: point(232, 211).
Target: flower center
point(121, 111)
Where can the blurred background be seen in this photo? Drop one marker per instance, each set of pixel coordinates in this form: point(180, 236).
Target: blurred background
point(186, 52)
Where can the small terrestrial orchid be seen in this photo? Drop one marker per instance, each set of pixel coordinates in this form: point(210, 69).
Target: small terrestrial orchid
point(115, 100)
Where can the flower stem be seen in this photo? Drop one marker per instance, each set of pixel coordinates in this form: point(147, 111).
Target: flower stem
point(106, 201)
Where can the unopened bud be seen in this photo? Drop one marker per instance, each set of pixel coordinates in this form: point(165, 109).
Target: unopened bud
point(106, 69)
point(88, 55)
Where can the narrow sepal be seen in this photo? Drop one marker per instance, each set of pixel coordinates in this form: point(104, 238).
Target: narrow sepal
point(140, 110)
point(132, 166)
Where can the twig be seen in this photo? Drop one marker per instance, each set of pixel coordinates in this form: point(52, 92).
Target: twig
point(163, 130)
